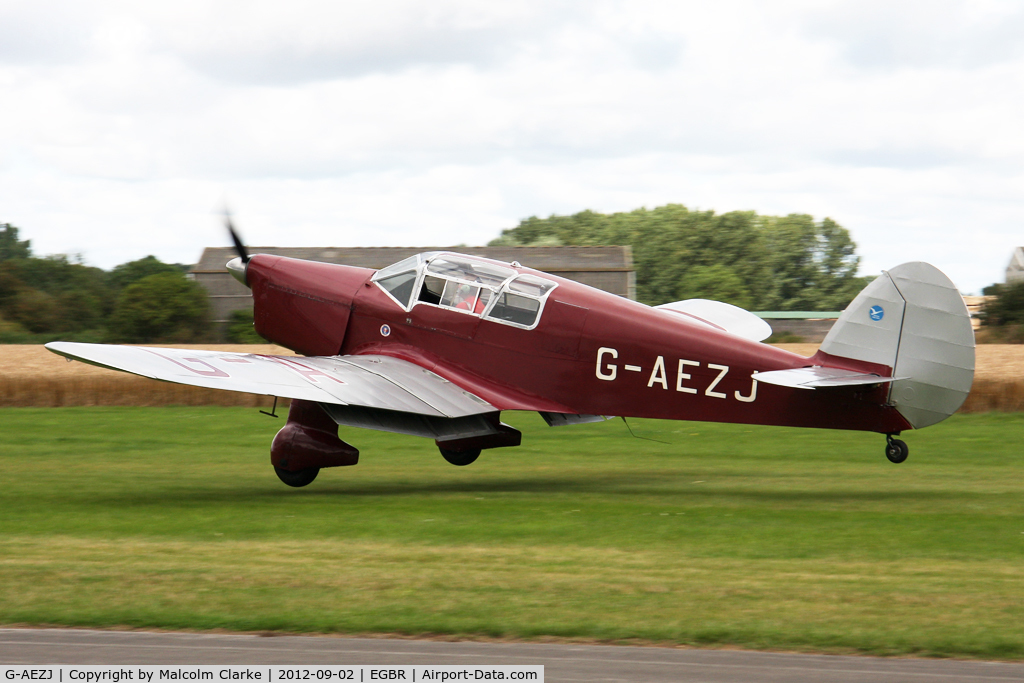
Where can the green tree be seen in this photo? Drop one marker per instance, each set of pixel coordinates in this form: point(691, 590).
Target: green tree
point(58, 295)
point(814, 265)
point(762, 262)
point(165, 307)
point(240, 329)
point(133, 271)
point(10, 247)
point(10, 284)
point(34, 310)
point(83, 296)
point(52, 294)
point(716, 282)
point(1008, 306)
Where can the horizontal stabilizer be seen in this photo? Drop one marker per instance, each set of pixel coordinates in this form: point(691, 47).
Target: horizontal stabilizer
point(819, 377)
point(721, 316)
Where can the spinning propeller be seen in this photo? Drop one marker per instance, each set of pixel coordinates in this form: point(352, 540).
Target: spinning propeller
point(236, 266)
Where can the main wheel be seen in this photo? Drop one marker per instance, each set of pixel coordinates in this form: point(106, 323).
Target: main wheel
point(297, 479)
point(460, 458)
point(896, 451)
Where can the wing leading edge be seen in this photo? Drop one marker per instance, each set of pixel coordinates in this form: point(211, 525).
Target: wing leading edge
point(378, 382)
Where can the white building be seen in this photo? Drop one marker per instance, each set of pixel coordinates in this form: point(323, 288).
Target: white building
point(1015, 271)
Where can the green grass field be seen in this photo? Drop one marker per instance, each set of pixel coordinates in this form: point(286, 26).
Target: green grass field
point(733, 535)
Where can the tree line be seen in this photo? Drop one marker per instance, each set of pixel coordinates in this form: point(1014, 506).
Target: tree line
point(59, 297)
point(757, 262)
point(1003, 317)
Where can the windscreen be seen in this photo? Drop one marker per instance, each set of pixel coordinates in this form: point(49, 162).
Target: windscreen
point(411, 263)
point(400, 286)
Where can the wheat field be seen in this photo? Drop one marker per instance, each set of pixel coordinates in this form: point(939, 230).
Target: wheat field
point(31, 376)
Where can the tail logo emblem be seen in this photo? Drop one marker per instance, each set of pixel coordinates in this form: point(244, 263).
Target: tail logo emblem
point(385, 330)
point(876, 313)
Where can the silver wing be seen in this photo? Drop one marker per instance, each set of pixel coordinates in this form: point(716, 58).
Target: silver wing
point(377, 392)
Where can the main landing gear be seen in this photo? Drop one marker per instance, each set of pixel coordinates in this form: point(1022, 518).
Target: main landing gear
point(299, 478)
point(465, 451)
point(895, 449)
point(307, 443)
point(460, 458)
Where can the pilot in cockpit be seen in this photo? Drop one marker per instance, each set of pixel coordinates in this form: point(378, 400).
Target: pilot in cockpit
point(467, 299)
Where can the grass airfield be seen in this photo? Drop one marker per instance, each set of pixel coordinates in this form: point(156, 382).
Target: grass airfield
point(730, 535)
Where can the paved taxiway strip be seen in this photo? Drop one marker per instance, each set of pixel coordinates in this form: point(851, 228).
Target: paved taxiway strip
point(570, 663)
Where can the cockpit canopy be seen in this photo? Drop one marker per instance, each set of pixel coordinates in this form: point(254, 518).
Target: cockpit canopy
point(466, 284)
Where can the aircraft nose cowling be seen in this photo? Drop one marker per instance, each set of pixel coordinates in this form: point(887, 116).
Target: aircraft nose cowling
point(303, 305)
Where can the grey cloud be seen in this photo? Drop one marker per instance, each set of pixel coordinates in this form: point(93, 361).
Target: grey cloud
point(415, 36)
point(296, 63)
point(911, 159)
point(299, 50)
point(411, 43)
point(30, 36)
point(656, 52)
point(932, 35)
point(296, 51)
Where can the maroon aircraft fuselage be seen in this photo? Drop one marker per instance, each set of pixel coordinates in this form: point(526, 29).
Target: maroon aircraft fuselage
point(592, 352)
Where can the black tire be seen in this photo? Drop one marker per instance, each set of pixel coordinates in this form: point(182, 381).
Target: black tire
point(460, 458)
point(896, 451)
point(297, 479)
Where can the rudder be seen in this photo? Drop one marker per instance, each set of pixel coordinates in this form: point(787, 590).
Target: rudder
point(913, 320)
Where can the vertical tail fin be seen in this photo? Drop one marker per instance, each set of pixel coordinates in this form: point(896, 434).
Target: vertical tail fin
point(912, 319)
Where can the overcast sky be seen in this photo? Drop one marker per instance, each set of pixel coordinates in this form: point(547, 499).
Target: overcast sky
point(124, 126)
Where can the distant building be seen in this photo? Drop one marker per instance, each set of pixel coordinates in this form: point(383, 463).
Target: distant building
point(1015, 271)
point(975, 306)
point(607, 268)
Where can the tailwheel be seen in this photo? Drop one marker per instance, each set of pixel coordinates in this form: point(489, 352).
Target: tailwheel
point(297, 479)
point(460, 458)
point(895, 449)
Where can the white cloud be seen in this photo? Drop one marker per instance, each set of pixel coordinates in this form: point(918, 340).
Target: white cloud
point(124, 126)
point(875, 34)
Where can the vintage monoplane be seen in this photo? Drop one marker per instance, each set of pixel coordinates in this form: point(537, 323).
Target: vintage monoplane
point(439, 344)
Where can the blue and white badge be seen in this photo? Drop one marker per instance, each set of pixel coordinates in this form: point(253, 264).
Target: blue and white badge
point(876, 313)
point(385, 330)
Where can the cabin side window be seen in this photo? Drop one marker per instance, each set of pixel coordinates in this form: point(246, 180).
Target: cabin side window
point(513, 308)
point(462, 296)
point(432, 289)
point(520, 301)
point(462, 284)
